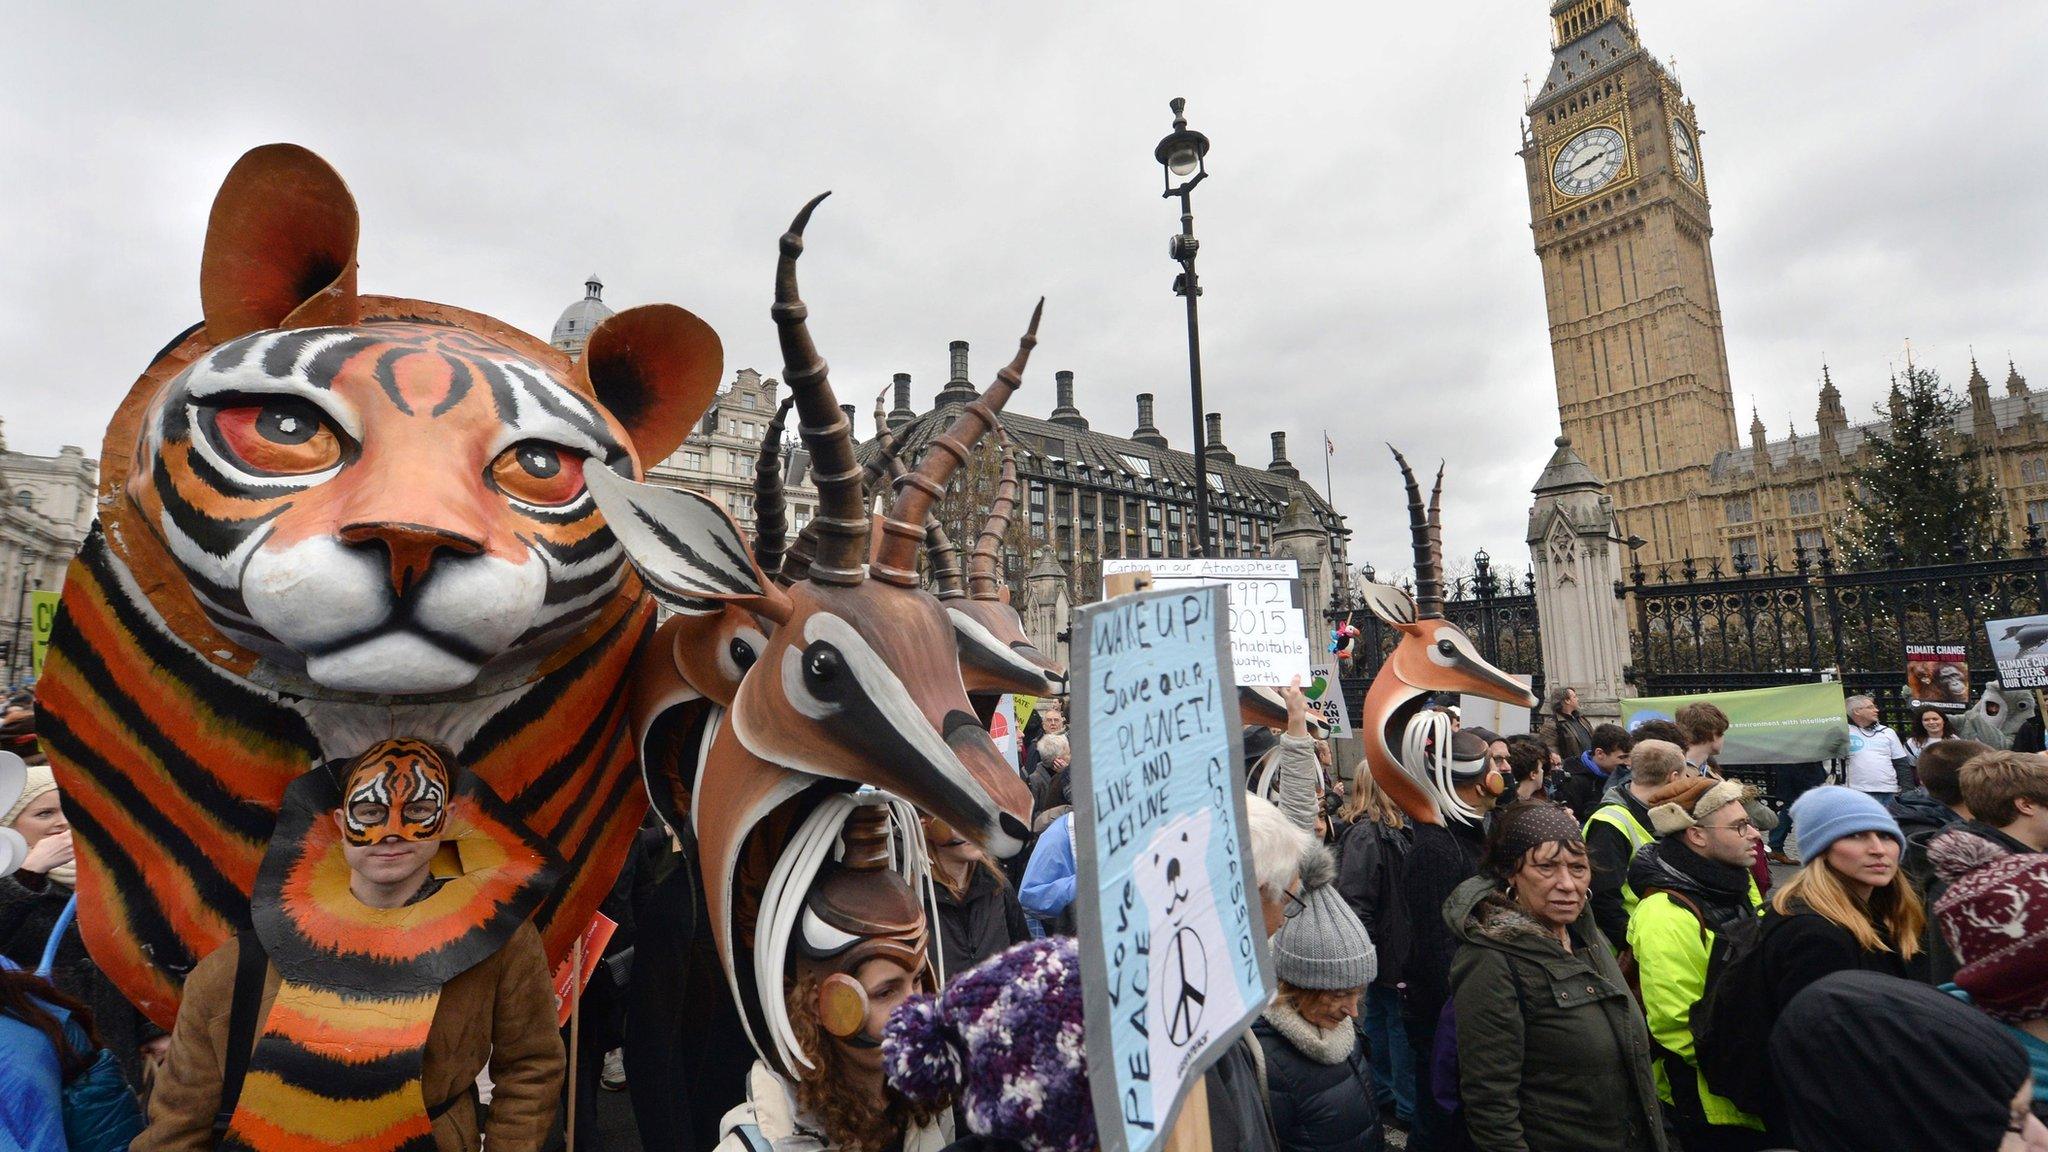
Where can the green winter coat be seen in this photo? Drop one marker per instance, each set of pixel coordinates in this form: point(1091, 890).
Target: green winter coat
point(1552, 1052)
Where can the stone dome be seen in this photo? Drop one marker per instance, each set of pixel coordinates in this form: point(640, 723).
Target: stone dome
point(573, 329)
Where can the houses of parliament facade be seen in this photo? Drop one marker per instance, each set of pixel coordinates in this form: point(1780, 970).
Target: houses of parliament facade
point(1622, 223)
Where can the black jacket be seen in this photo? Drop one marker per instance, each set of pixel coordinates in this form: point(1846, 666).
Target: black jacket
point(1317, 1106)
point(29, 907)
point(1922, 818)
point(1237, 1106)
point(1582, 787)
point(1372, 864)
point(979, 925)
point(1610, 853)
point(1441, 858)
point(1802, 946)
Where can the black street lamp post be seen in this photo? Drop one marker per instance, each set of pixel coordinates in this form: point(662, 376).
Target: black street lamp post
point(1182, 154)
point(20, 611)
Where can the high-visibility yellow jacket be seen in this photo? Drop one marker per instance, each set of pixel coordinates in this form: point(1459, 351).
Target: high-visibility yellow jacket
point(1671, 949)
point(1621, 818)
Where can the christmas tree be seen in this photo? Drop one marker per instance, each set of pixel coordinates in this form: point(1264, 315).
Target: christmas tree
point(1920, 494)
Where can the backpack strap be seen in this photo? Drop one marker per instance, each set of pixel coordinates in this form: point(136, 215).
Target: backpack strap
point(1684, 901)
point(251, 964)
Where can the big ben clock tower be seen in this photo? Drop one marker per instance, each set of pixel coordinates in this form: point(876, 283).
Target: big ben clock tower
point(1618, 206)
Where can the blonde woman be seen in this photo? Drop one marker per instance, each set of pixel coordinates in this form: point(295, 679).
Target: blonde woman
point(1849, 908)
point(1369, 878)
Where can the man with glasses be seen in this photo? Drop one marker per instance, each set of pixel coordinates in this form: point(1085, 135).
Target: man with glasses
point(1695, 887)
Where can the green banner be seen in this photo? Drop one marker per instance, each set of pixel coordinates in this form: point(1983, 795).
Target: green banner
point(42, 614)
point(1795, 724)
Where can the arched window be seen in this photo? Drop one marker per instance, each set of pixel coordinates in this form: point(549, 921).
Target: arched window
point(25, 498)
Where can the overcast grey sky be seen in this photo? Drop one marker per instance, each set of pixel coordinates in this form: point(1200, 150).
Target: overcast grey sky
point(1877, 170)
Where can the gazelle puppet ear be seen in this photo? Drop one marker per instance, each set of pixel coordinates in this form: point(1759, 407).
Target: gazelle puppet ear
point(684, 546)
point(1389, 603)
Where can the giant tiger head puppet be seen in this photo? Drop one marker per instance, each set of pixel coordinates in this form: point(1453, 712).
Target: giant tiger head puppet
point(1408, 746)
point(329, 519)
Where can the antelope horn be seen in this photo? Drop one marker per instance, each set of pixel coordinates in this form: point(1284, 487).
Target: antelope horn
point(985, 565)
point(1425, 533)
point(842, 519)
point(888, 449)
point(771, 512)
point(903, 524)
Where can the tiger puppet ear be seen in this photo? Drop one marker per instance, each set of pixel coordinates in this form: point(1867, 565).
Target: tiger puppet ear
point(656, 369)
point(280, 246)
point(686, 547)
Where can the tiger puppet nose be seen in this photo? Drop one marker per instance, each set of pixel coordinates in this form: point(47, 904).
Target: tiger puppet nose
point(409, 549)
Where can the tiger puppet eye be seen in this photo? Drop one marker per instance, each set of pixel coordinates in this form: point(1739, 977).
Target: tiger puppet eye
point(537, 473)
point(281, 436)
point(398, 788)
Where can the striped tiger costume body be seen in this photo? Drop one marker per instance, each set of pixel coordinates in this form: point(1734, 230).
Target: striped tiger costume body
point(328, 520)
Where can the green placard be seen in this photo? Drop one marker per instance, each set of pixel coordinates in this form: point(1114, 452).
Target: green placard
point(1795, 724)
point(42, 607)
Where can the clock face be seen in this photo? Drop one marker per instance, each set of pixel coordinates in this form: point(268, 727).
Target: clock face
point(1685, 151)
point(1590, 162)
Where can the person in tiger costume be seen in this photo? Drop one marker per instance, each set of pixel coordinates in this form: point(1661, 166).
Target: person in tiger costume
point(392, 851)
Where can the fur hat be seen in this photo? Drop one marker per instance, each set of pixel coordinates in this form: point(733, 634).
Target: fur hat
point(1693, 799)
point(1004, 1040)
point(1322, 945)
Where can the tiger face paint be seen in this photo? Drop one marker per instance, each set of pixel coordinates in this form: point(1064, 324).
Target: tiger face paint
point(399, 788)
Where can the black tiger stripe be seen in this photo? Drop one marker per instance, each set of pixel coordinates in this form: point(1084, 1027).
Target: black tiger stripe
point(127, 884)
point(459, 381)
point(675, 544)
point(567, 514)
point(177, 663)
point(503, 402)
point(538, 703)
point(326, 363)
point(594, 543)
point(283, 353)
point(563, 590)
point(385, 372)
point(579, 860)
point(218, 536)
point(586, 421)
point(611, 728)
point(354, 1081)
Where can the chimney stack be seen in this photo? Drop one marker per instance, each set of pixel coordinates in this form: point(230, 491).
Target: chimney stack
point(1281, 465)
point(901, 414)
point(959, 389)
point(1217, 451)
point(848, 410)
point(1065, 413)
point(1146, 433)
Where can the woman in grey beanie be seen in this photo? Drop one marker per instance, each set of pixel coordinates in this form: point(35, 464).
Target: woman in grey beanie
point(1318, 1083)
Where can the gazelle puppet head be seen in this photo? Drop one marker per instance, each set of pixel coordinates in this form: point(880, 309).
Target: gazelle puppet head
point(1408, 746)
point(859, 681)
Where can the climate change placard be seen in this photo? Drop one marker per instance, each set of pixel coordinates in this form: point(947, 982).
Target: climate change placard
point(1268, 626)
point(1172, 940)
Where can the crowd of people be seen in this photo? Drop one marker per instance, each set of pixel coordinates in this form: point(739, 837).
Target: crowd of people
point(1601, 961)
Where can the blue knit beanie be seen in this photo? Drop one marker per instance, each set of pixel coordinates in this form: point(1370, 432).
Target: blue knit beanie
point(1827, 813)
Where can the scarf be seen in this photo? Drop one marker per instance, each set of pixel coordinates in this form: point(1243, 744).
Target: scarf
point(1322, 1045)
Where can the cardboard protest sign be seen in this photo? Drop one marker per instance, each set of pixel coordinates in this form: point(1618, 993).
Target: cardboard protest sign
point(1173, 953)
point(43, 613)
point(1268, 624)
point(1794, 724)
point(1937, 676)
point(2019, 645)
point(570, 979)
